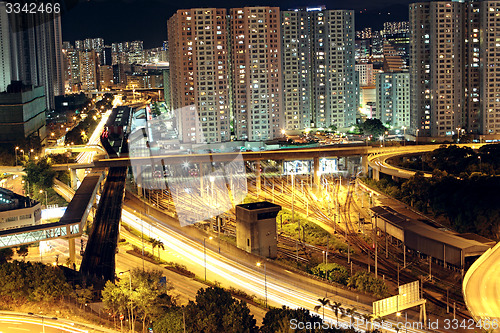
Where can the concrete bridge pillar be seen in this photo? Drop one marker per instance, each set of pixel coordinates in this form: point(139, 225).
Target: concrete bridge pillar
point(376, 174)
point(74, 178)
point(316, 175)
point(258, 181)
point(364, 164)
point(72, 254)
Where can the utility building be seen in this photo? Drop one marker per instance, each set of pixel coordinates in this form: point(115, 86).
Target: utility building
point(256, 228)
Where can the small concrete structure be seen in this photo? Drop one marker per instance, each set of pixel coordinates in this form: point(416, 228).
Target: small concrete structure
point(256, 228)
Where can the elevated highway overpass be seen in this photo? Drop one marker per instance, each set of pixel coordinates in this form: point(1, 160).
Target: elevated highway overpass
point(70, 225)
point(377, 160)
point(74, 149)
point(481, 288)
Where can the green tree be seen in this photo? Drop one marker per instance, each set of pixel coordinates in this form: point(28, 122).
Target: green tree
point(367, 318)
point(38, 175)
point(83, 294)
point(32, 281)
point(170, 322)
point(216, 311)
point(278, 320)
point(331, 271)
point(157, 243)
point(415, 191)
point(351, 313)
point(373, 127)
point(337, 309)
point(116, 298)
point(144, 296)
point(6, 254)
point(367, 282)
point(324, 302)
point(22, 251)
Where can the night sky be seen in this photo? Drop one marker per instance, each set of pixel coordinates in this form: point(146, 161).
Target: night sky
point(127, 20)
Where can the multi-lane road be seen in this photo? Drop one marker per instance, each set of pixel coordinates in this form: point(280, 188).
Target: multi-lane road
point(284, 287)
point(11, 322)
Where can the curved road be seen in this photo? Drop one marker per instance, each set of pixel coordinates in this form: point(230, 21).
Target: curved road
point(377, 161)
point(481, 287)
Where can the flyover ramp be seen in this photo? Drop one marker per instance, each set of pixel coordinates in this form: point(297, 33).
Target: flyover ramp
point(74, 149)
point(481, 288)
point(377, 160)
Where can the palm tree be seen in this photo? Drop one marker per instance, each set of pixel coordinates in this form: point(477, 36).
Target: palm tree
point(378, 320)
point(159, 245)
point(324, 302)
point(351, 313)
point(153, 243)
point(336, 307)
point(367, 318)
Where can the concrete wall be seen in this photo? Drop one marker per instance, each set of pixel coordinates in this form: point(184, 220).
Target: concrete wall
point(256, 229)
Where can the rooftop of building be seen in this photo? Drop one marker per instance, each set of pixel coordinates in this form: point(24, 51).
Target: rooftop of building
point(11, 201)
point(259, 205)
point(429, 229)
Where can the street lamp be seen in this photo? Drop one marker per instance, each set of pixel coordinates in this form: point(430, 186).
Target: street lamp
point(416, 141)
point(17, 148)
point(381, 138)
point(205, 254)
point(265, 279)
point(43, 324)
point(130, 289)
point(404, 135)
point(41, 191)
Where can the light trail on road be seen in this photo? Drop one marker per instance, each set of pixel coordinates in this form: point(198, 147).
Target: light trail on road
point(88, 156)
point(280, 291)
point(47, 324)
point(481, 288)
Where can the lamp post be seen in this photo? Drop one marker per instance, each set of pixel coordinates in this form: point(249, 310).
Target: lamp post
point(130, 289)
point(41, 191)
point(17, 148)
point(265, 279)
point(480, 165)
point(205, 254)
point(404, 135)
point(416, 141)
